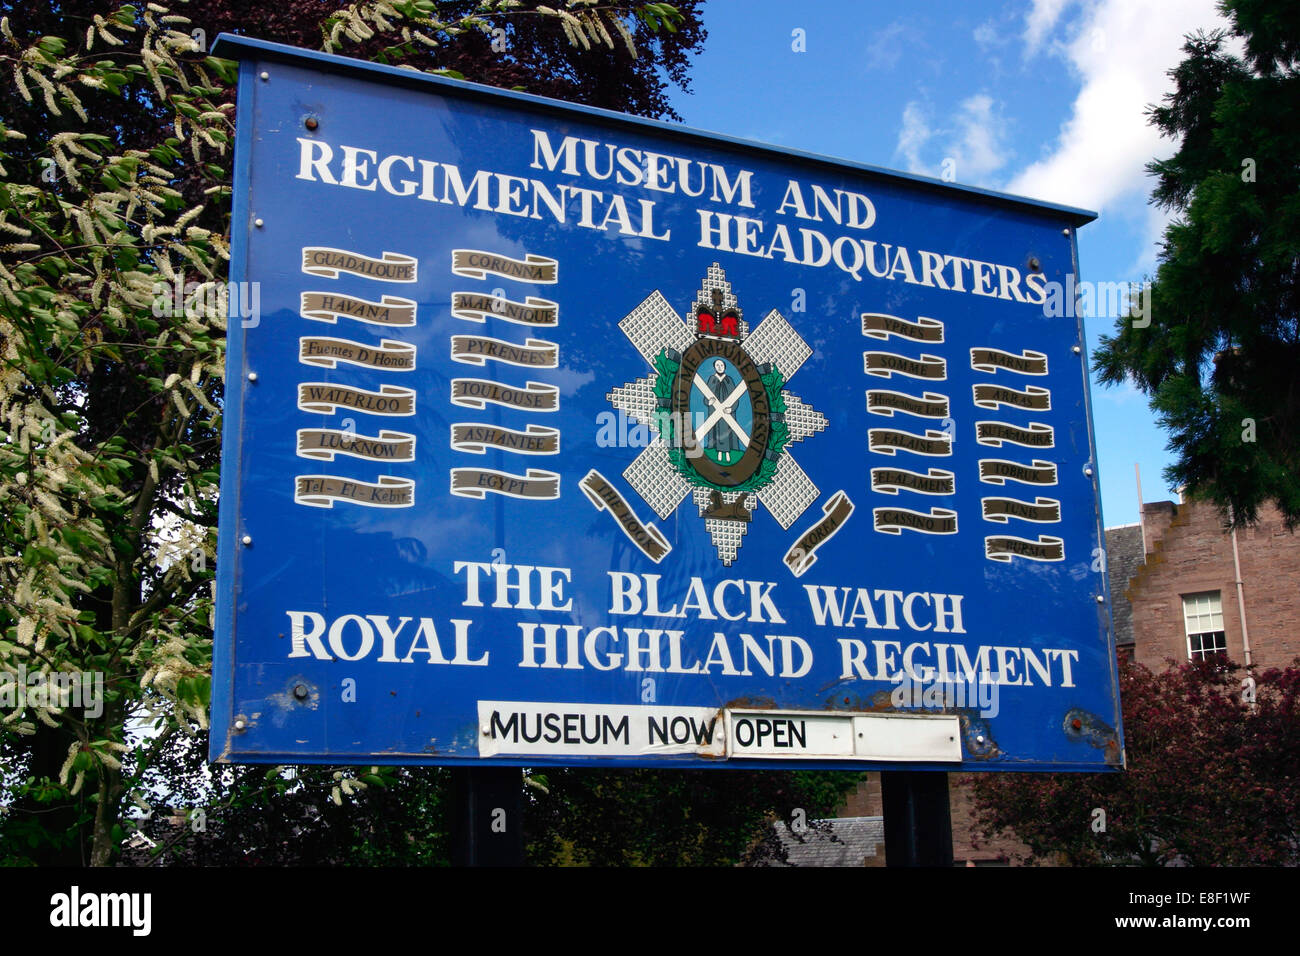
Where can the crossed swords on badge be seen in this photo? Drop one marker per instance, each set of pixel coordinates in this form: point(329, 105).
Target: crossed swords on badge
point(722, 408)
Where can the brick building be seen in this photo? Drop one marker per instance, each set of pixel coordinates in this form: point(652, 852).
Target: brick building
point(1201, 591)
point(1181, 586)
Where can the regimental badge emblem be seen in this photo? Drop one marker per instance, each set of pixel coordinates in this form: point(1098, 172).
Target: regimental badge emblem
point(718, 409)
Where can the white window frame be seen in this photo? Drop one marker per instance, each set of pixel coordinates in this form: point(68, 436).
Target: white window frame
point(1203, 618)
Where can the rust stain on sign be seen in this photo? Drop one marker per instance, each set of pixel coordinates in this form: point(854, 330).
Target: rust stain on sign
point(1079, 725)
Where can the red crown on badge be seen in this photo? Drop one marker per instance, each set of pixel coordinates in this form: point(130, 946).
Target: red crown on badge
point(717, 322)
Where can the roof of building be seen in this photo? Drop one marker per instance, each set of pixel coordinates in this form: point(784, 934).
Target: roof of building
point(844, 841)
point(1124, 555)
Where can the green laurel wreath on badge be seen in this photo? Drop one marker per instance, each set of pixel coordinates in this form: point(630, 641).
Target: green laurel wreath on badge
point(773, 381)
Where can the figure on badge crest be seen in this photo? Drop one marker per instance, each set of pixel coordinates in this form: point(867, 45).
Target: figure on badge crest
point(721, 438)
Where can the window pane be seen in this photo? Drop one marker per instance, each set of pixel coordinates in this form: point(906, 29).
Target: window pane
point(1202, 612)
point(1207, 645)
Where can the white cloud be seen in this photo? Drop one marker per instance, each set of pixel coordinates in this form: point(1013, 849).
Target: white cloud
point(980, 150)
point(1040, 19)
point(987, 36)
point(887, 48)
point(913, 136)
point(1121, 51)
point(1154, 233)
point(974, 140)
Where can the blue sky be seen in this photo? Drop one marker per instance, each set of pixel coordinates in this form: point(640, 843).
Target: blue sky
point(1045, 98)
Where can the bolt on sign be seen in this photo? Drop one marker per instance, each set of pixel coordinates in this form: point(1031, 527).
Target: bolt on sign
point(566, 437)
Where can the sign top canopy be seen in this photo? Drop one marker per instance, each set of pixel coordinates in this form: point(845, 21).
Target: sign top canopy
point(559, 436)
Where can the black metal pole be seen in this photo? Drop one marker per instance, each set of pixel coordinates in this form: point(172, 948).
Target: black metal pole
point(918, 823)
point(487, 816)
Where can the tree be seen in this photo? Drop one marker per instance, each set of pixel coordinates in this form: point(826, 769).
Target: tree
point(1211, 779)
point(253, 815)
point(652, 817)
point(1220, 357)
point(588, 61)
point(114, 210)
point(287, 816)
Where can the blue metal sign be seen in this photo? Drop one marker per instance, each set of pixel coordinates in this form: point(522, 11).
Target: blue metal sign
point(564, 437)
